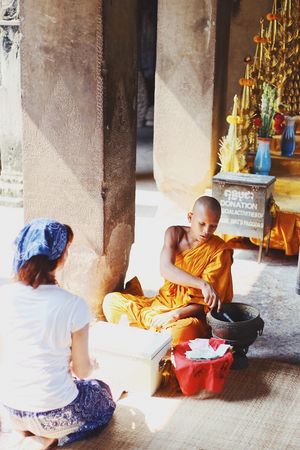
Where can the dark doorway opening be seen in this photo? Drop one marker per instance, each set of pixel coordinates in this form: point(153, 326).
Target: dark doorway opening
point(146, 86)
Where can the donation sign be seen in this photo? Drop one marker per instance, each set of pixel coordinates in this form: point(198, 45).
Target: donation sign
point(244, 202)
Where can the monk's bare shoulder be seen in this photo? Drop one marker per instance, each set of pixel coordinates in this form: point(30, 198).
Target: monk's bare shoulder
point(176, 236)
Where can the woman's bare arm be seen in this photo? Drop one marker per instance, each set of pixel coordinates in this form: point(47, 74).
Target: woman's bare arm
point(80, 360)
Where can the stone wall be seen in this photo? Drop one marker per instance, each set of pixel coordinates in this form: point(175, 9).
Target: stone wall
point(10, 106)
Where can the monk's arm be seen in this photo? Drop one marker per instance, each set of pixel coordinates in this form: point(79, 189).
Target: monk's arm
point(179, 276)
point(218, 273)
point(191, 310)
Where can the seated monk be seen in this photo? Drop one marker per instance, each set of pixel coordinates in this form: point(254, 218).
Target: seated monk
point(196, 266)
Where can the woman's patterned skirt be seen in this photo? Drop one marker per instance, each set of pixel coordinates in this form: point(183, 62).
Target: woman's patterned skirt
point(91, 410)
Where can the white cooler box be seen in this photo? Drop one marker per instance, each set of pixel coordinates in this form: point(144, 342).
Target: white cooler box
point(129, 356)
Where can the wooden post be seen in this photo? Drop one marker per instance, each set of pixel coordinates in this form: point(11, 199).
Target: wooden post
point(298, 276)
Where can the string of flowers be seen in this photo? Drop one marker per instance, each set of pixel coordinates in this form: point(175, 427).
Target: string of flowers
point(267, 111)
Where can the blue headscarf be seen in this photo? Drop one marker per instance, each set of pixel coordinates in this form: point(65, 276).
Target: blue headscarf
point(40, 237)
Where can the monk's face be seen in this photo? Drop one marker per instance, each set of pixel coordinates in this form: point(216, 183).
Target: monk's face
point(204, 222)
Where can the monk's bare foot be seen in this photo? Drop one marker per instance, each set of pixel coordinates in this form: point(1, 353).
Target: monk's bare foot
point(38, 443)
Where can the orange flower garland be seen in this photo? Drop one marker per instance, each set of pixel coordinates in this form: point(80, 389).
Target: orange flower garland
point(259, 39)
point(270, 17)
point(246, 82)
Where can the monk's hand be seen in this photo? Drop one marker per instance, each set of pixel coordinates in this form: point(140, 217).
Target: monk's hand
point(211, 297)
point(163, 319)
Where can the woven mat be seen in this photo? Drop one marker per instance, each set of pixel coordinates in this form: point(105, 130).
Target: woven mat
point(270, 287)
point(258, 409)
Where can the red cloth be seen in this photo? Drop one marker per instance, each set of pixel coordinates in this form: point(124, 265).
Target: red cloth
point(193, 376)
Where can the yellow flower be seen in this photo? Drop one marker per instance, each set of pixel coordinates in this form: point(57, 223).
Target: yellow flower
point(234, 120)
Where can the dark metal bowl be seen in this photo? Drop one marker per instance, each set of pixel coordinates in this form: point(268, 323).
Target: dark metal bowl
point(238, 324)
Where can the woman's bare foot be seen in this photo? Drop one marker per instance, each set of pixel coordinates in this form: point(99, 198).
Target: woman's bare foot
point(14, 439)
point(38, 443)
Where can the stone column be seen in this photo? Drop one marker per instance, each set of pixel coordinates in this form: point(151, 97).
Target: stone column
point(190, 89)
point(79, 109)
point(11, 186)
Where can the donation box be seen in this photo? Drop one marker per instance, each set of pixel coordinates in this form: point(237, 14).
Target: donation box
point(129, 357)
point(245, 200)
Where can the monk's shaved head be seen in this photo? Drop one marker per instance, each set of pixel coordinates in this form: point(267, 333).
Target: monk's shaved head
point(204, 218)
point(207, 202)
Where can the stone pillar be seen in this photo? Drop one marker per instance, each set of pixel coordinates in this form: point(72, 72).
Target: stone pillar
point(79, 110)
point(11, 186)
point(190, 94)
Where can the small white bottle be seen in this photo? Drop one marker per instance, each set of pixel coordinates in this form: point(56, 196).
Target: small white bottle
point(124, 320)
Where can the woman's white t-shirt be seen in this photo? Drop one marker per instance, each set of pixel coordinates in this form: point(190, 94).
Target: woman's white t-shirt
point(35, 345)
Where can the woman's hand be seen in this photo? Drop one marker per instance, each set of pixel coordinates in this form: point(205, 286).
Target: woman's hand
point(94, 363)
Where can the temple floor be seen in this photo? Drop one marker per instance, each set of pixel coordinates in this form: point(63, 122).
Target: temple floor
point(254, 400)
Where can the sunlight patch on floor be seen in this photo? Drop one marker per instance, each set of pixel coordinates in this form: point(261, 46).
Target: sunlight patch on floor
point(242, 283)
point(157, 411)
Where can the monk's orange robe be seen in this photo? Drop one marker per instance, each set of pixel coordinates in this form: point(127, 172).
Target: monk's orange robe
point(285, 233)
point(210, 261)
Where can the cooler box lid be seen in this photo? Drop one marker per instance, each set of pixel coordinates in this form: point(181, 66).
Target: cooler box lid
point(126, 340)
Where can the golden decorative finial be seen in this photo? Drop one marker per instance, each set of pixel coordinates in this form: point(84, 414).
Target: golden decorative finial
point(231, 159)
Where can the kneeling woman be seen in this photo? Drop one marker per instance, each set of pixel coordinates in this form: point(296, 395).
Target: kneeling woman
point(44, 346)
